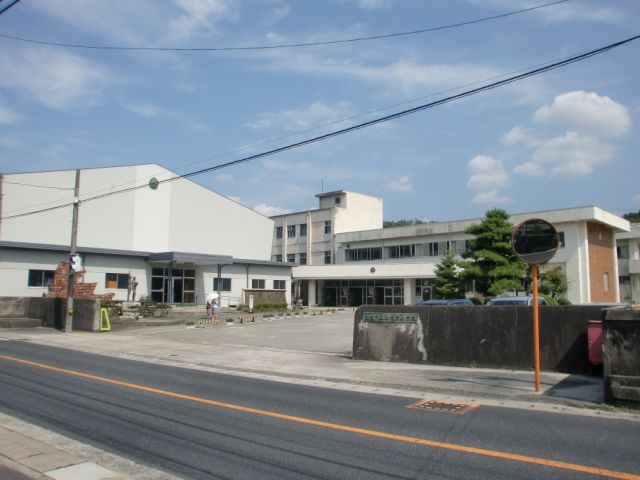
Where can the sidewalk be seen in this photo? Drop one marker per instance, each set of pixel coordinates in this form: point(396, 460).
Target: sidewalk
point(225, 350)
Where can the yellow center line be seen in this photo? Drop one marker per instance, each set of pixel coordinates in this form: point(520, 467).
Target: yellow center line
point(345, 428)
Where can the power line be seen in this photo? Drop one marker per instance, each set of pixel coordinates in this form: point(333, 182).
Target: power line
point(442, 101)
point(38, 186)
point(301, 132)
point(8, 6)
point(297, 133)
point(284, 45)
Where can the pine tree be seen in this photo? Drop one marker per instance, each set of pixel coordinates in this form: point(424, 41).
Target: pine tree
point(553, 282)
point(447, 283)
point(490, 260)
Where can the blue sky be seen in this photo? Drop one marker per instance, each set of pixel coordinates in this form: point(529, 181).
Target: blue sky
point(562, 139)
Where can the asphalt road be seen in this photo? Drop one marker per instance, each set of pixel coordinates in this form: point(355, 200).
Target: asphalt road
point(197, 424)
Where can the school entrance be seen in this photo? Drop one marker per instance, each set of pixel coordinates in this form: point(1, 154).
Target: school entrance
point(173, 285)
point(353, 293)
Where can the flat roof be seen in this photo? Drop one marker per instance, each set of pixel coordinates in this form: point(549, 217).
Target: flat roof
point(181, 257)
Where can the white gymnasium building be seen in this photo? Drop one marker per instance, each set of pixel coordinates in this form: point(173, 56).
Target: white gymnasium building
point(345, 258)
point(180, 240)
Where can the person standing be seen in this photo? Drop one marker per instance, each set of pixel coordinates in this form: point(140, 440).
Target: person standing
point(214, 311)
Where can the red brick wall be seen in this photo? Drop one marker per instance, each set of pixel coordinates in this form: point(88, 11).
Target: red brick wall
point(601, 261)
point(80, 289)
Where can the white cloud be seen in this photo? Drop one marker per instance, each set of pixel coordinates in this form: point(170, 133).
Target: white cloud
point(570, 154)
point(55, 78)
point(485, 173)
point(317, 113)
point(150, 110)
point(124, 21)
point(402, 184)
point(269, 211)
point(199, 16)
point(492, 197)
point(564, 12)
point(529, 168)
point(408, 75)
point(8, 116)
point(235, 199)
point(12, 142)
point(519, 134)
point(276, 11)
point(374, 4)
point(586, 112)
point(224, 177)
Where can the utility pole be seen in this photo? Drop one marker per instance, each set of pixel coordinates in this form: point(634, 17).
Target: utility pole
point(68, 325)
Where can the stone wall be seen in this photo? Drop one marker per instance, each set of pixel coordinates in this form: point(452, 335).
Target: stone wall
point(261, 297)
point(482, 336)
point(621, 360)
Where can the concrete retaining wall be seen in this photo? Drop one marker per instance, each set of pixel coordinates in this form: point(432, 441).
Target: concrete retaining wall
point(51, 311)
point(621, 360)
point(482, 336)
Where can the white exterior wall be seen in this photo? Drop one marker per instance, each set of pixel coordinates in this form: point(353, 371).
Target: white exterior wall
point(179, 216)
point(241, 277)
point(631, 267)
point(14, 271)
point(15, 265)
point(54, 225)
point(358, 212)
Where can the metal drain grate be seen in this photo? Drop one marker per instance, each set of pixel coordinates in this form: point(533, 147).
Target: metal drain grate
point(441, 406)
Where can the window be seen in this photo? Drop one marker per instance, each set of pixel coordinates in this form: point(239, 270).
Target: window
point(327, 257)
point(605, 281)
point(560, 239)
point(291, 257)
point(279, 284)
point(432, 249)
point(327, 226)
point(623, 251)
point(40, 278)
point(402, 251)
point(363, 254)
point(303, 229)
point(337, 200)
point(303, 258)
point(291, 231)
point(257, 283)
point(225, 283)
point(276, 258)
point(278, 232)
point(116, 280)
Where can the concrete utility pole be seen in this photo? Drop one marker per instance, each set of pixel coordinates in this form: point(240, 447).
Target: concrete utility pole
point(68, 325)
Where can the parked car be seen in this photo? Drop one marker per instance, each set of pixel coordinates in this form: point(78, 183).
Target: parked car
point(513, 300)
point(448, 301)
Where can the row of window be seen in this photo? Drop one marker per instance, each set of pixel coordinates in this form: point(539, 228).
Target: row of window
point(301, 258)
point(431, 249)
point(42, 278)
point(302, 230)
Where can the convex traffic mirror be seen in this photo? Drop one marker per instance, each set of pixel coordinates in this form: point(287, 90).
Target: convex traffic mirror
point(535, 241)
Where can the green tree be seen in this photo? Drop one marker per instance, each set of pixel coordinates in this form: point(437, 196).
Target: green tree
point(633, 217)
point(447, 283)
point(490, 260)
point(553, 282)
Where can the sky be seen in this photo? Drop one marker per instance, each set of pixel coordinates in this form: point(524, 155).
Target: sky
point(565, 138)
